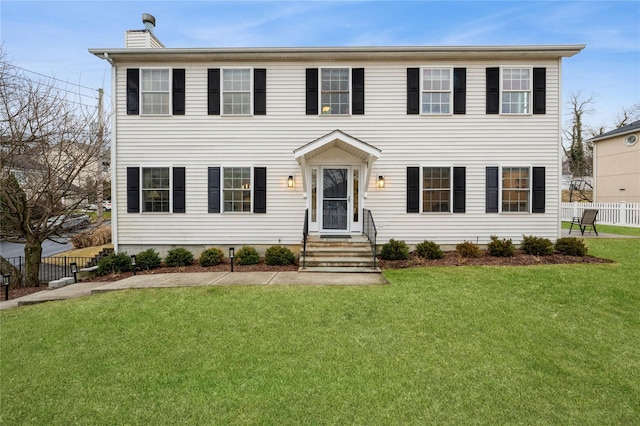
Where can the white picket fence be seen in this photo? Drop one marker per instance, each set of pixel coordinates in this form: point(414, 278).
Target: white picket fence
point(621, 214)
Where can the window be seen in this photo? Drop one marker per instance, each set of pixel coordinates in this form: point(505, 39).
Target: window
point(155, 91)
point(155, 189)
point(515, 189)
point(334, 91)
point(436, 91)
point(236, 91)
point(237, 189)
point(436, 189)
point(516, 90)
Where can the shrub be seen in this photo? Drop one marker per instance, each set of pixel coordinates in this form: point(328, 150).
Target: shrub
point(247, 255)
point(211, 257)
point(148, 259)
point(501, 248)
point(536, 246)
point(114, 264)
point(279, 255)
point(468, 249)
point(178, 257)
point(395, 250)
point(429, 250)
point(571, 246)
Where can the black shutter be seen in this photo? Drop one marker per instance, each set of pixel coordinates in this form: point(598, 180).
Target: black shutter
point(413, 90)
point(179, 191)
point(538, 197)
point(178, 91)
point(539, 90)
point(493, 90)
point(413, 190)
point(259, 189)
point(312, 91)
point(213, 91)
point(133, 87)
point(357, 78)
point(459, 90)
point(459, 188)
point(259, 91)
point(492, 190)
point(133, 190)
point(213, 189)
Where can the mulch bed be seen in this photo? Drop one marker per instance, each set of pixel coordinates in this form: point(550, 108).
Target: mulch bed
point(450, 259)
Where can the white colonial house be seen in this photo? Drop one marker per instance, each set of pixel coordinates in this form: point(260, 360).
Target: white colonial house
point(232, 146)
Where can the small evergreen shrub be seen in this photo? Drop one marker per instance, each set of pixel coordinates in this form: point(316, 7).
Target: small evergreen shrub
point(179, 257)
point(571, 246)
point(148, 259)
point(429, 250)
point(395, 250)
point(279, 255)
point(114, 264)
point(211, 257)
point(501, 248)
point(468, 249)
point(247, 255)
point(536, 246)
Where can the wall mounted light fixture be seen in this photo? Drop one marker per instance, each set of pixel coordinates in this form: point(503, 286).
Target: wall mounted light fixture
point(290, 182)
point(381, 181)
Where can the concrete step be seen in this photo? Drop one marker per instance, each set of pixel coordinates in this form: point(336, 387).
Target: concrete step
point(342, 269)
point(337, 261)
point(338, 251)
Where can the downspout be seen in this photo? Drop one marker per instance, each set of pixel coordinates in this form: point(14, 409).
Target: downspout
point(114, 198)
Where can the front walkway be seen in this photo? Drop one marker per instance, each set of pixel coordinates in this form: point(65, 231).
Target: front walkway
point(198, 279)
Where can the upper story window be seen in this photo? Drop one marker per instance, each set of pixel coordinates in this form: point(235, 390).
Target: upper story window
point(236, 91)
point(515, 189)
point(155, 189)
point(334, 93)
point(516, 90)
point(436, 90)
point(154, 90)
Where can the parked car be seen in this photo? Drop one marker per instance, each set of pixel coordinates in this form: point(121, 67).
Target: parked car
point(73, 221)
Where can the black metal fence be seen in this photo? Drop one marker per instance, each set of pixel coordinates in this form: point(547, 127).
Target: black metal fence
point(53, 268)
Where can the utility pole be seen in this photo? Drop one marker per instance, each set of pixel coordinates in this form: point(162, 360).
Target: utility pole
point(100, 188)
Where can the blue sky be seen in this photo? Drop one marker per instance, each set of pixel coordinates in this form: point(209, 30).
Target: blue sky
point(52, 37)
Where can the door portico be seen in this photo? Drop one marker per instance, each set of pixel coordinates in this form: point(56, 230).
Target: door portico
point(336, 170)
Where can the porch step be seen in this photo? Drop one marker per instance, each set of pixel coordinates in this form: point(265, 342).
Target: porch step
point(338, 255)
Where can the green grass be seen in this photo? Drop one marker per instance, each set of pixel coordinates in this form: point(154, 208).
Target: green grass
point(455, 345)
point(106, 215)
point(608, 229)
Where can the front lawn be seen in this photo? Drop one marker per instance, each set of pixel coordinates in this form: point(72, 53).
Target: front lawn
point(607, 229)
point(454, 345)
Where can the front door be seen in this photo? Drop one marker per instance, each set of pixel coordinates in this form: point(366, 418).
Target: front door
point(335, 199)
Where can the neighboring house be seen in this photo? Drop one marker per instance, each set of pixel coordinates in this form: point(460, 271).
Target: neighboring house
point(230, 146)
point(616, 165)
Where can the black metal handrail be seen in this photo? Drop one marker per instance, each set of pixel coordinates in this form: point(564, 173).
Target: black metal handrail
point(305, 234)
point(369, 230)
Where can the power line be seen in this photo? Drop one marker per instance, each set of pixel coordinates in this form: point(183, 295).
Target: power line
point(92, 96)
point(46, 76)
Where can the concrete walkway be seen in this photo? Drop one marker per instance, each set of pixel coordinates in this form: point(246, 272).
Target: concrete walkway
point(198, 279)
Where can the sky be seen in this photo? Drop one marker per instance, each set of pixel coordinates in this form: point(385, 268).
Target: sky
point(52, 38)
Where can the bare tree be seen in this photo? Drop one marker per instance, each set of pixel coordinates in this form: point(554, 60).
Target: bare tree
point(49, 144)
point(627, 115)
point(575, 148)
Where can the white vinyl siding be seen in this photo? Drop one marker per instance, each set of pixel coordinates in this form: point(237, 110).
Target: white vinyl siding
point(475, 140)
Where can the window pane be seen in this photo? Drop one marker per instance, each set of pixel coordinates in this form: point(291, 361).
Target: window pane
point(334, 97)
point(155, 91)
point(515, 189)
point(155, 189)
point(516, 90)
point(436, 94)
point(237, 189)
point(436, 189)
point(236, 88)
